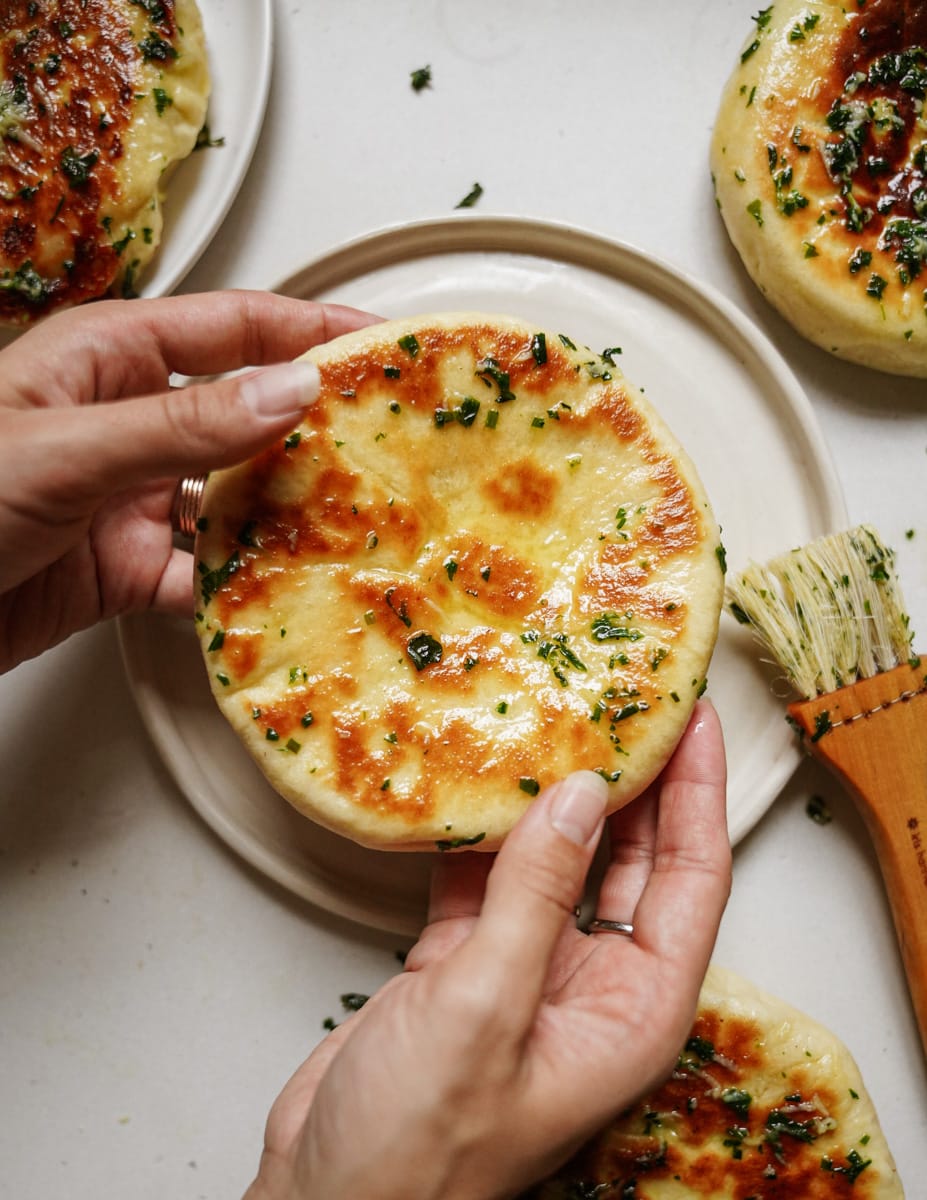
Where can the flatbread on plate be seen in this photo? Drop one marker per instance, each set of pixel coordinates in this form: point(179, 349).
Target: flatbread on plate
point(98, 101)
point(481, 562)
point(819, 159)
point(764, 1102)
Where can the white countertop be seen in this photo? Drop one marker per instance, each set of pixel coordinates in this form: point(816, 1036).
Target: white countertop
point(155, 991)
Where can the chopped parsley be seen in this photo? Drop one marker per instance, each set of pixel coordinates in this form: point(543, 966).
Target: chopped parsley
point(612, 627)
point(205, 140)
point(409, 343)
point(854, 1166)
point(456, 843)
point(155, 49)
point(876, 286)
point(212, 580)
point(737, 1099)
point(556, 653)
point(424, 650)
point(28, 283)
point(529, 785)
point(420, 78)
point(490, 372)
point(77, 167)
point(908, 238)
point(859, 259)
point(463, 414)
point(817, 810)
point(162, 100)
point(471, 197)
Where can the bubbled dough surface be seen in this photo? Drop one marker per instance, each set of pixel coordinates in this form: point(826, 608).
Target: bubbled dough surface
point(355, 527)
point(778, 97)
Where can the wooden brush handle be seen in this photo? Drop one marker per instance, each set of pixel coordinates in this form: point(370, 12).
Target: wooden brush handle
point(873, 736)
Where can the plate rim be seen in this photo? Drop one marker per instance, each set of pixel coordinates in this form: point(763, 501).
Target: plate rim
point(560, 241)
point(230, 181)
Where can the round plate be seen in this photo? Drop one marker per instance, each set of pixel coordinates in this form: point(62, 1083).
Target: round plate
point(239, 38)
point(723, 389)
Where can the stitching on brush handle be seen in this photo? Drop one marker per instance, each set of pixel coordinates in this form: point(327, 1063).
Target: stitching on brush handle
point(909, 695)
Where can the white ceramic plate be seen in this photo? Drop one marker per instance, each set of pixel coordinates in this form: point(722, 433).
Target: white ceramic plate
point(239, 37)
point(723, 389)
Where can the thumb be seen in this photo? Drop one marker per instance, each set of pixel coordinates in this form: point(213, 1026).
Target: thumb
point(535, 882)
point(105, 448)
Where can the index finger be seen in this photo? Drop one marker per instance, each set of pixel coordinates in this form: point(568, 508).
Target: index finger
point(208, 333)
point(120, 348)
point(680, 908)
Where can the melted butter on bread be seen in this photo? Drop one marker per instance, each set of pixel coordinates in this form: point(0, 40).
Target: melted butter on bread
point(99, 99)
point(472, 569)
point(819, 160)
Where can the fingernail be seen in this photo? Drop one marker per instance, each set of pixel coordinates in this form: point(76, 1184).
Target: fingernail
point(284, 389)
point(578, 808)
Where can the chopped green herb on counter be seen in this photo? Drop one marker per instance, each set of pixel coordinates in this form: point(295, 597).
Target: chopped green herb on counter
point(420, 78)
point(471, 197)
point(817, 810)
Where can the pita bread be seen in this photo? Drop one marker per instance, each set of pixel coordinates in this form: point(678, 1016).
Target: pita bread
point(819, 159)
point(481, 562)
point(764, 1102)
point(98, 100)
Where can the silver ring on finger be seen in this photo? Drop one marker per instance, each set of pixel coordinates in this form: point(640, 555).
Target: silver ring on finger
point(600, 925)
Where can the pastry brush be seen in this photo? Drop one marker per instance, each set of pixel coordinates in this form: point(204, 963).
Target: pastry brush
point(832, 615)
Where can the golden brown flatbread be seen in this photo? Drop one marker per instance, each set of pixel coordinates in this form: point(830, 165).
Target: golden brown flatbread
point(98, 100)
point(481, 562)
point(819, 159)
point(764, 1102)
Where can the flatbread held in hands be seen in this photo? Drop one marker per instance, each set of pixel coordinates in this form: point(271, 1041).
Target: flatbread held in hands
point(481, 562)
point(819, 160)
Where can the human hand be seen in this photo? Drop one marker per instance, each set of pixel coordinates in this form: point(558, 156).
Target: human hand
point(511, 1036)
point(93, 441)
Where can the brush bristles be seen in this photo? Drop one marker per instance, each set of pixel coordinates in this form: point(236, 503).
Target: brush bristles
point(830, 612)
